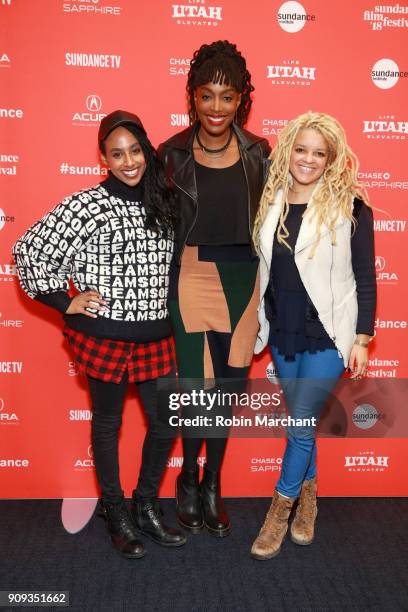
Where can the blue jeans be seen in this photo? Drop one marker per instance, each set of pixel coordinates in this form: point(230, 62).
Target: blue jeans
point(305, 399)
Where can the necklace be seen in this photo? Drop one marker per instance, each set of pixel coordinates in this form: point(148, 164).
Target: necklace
point(214, 152)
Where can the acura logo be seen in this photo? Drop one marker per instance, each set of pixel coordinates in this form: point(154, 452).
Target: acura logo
point(93, 103)
point(1, 404)
point(90, 451)
point(379, 263)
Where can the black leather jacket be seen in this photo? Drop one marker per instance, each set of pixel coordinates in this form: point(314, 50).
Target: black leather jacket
point(177, 156)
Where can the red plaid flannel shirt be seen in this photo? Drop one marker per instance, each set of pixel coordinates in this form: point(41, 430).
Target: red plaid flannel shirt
point(108, 360)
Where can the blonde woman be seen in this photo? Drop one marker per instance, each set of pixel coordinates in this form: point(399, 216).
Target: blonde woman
point(314, 236)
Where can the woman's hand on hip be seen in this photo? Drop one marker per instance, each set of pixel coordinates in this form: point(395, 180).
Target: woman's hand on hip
point(88, 299)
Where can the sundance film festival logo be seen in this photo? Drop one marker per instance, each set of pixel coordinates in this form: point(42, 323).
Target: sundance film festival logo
point(366, 461)
point(291, 73)
point(6, 417)
point(292, 17)
point(85, 464)
point(388, 16)
point(366, 416)
point(384, 277)
point(11, 162)
point(196, 13)
point(91, 7)
point(382, 368)
point(385, 73)
point(92, 116)
point(5, 61)
point(380, 180)
point(386, 127)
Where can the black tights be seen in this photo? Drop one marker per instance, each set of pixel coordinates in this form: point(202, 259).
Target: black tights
point(215, 450)
point(107, 404)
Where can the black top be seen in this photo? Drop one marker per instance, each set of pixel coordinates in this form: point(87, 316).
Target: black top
point(294, 323)
point(222, 217)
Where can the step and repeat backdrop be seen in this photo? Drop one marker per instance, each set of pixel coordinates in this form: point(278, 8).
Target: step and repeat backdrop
point(64, 64)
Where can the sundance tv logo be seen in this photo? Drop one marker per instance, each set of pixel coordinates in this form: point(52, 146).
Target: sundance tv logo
point(92, 60)
point(196, 13)
point(291, 73)
point(292, 17)
point(386, 127)
point(6, 417)
point(91, 7)
point(91, 117)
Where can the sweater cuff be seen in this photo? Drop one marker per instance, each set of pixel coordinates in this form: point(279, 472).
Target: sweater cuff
point(60, 300)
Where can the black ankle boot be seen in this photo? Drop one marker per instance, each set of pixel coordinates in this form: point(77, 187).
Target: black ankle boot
point(147, 516)
point(122, 530)
point(188, 502)
point(215, 518)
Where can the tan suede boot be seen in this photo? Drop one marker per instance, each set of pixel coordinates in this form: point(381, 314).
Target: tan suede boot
point(302, 528)
point(268, 543)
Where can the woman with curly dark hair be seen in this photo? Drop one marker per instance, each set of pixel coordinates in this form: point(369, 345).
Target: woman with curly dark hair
point(115, 240)
point(216, 168)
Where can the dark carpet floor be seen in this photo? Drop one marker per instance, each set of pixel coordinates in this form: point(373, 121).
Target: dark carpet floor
point(358, 562)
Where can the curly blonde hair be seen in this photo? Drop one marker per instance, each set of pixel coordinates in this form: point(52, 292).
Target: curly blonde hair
point(336, 188)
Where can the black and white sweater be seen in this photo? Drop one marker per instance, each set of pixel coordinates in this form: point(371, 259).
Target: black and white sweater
point(98, 237)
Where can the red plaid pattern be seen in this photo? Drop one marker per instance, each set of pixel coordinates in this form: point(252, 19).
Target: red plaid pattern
point(108, 360)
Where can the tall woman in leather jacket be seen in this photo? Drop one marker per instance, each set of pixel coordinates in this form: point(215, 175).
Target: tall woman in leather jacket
point(216, 168)
point(314, 234)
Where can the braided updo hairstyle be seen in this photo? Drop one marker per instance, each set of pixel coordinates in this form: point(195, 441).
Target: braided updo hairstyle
point(222, 63)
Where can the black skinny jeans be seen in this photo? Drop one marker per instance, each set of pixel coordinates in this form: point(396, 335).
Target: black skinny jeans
point(107, 406)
